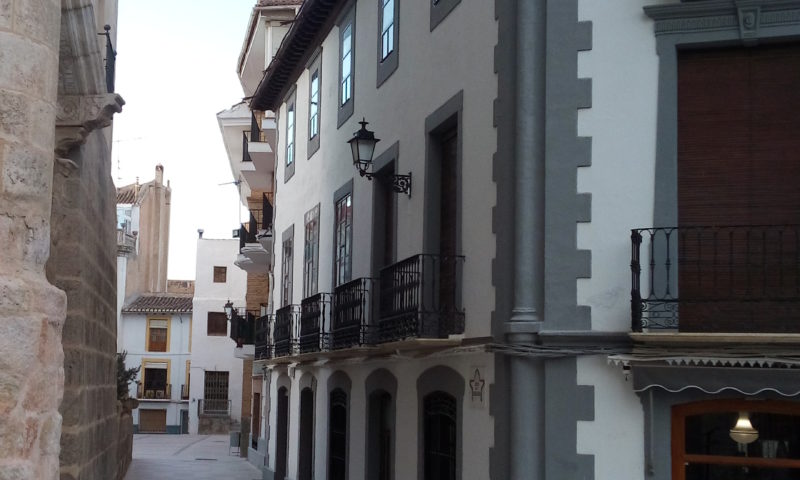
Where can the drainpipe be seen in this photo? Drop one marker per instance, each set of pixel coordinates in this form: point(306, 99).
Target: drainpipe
point(526, 375)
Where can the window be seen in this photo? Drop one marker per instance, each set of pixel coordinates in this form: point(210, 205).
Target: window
point(155, 379)
point(347, 61)
point(313, 116)
point(290, 137)
point(380, 424)
point(387, 28)
point(217, 324)
point(337, 443)
point(388, 16)
point(311, 253)
point(343, 239)
point(157, 335)
point(220, 274)
point(215, 393)
point(314, 102)
point(347, 64)
point(286, 266)
point(704, 448)
point(440, 420)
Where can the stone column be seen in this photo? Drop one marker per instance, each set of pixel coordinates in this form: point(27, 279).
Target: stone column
point(32, 311)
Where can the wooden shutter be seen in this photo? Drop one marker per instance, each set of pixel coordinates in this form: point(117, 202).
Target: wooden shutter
point(738, 165)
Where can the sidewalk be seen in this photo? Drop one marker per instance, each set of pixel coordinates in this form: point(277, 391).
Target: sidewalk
point(187, 457)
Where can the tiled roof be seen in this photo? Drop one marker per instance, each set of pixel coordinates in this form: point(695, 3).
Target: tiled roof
point(126, 194)
point(160, 303)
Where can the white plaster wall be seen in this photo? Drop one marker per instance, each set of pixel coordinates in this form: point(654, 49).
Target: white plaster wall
point(476, 429)
point(433, 67)
point(623, 66)
point(616, 436)
point(215, 353)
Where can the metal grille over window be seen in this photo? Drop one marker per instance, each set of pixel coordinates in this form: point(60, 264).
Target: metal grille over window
point(440, 436)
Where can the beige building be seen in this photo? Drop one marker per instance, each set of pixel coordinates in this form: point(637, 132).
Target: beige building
point(58, 397)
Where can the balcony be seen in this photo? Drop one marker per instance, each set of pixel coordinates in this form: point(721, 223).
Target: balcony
point(314, 322)
point(256, 147)
point(163, 392)
point(420, 298)
point(126, 242)
point(263, 347)
point(255, 239)
point(243, 328)
point(352, 307)
point(286, 320)
point(720, 279)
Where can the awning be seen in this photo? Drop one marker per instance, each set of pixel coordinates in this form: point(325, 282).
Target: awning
point(746, 381)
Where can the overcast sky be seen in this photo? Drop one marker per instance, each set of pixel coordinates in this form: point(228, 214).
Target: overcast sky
point(176, 68)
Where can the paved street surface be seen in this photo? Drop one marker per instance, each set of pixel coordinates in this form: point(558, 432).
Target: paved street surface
point(187, 457)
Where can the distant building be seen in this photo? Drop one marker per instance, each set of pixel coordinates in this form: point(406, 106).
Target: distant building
point(216, 389)
point(157, 331)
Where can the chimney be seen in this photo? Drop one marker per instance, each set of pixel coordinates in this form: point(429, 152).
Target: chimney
point(199, 233)
point(159, 174)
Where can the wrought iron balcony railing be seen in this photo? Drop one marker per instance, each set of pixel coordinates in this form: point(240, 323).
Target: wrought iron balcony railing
point(243, 325)
point(214, 407)
point(163, 392)
point(314, 323)
point(284, 330)
point(263, 347)
point(260, 219)
point(421, 297)
point(716, 279)
point(352, 314)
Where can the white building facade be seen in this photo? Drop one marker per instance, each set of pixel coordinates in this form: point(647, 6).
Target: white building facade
point(156, 330)
point(604, 193)
point(216, 389)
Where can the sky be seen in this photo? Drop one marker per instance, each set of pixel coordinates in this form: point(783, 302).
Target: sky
point(176, 68)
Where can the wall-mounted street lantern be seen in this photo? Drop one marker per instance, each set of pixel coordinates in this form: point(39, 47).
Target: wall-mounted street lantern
point(229, 309)
point(363, 147)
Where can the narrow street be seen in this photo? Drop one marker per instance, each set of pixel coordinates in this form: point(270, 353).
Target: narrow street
point(187, 457)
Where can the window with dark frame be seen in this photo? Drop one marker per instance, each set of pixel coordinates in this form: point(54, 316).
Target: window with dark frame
point(217, 324)
point(311, 253)
point(286, 271)
point(220, 274)
point(344, 240)
point(347, 63)
point(387, 39)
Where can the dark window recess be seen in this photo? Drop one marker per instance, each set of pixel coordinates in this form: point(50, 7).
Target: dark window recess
point(306, 437)
point(379, 445)
point(311, 253)
point(440, 421)
point(282, 432)
point(337, 445)
point(217, 324)
point(286, 271)
point(256, 415)
point(220, 274)
point(155, 380)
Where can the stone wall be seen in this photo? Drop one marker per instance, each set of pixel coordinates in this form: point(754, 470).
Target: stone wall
point(32, 311)
point(83, 264)
point(124, 443)
point(257, 293)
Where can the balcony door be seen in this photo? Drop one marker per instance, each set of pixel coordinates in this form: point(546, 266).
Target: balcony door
point(738, 195)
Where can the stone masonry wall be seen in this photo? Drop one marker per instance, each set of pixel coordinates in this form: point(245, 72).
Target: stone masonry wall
point(257, 293)
point(83, 264)
point(32, 311)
